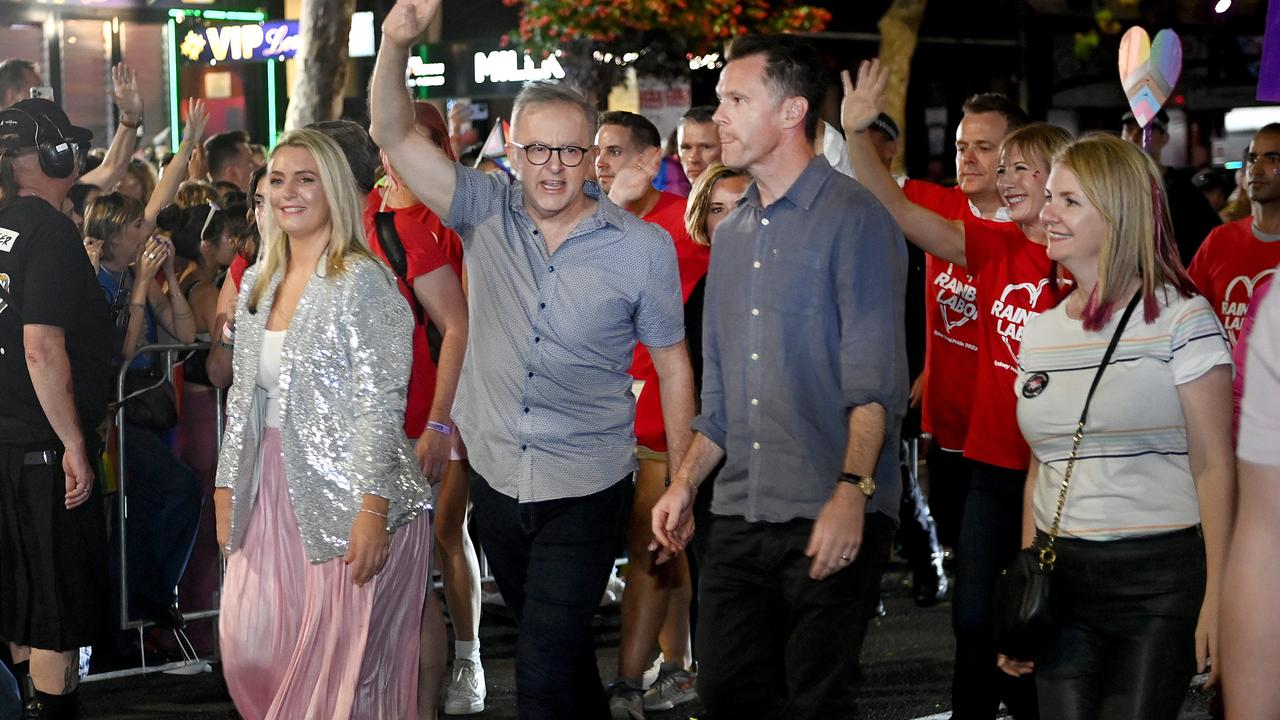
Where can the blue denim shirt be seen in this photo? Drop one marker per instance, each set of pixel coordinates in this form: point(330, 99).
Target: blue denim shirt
point(803, 322)
point(544, 401)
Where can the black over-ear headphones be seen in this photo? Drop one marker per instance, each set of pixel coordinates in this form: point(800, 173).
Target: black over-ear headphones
point(58, 158)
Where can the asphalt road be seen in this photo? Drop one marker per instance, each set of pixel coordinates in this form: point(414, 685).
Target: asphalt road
point(906, 672)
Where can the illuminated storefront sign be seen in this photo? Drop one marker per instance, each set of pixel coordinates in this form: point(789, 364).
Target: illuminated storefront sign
point(507, 66)
point(257, 42)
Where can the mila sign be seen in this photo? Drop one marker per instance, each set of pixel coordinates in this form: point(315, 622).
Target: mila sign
point(510, 66)
point(254, 42)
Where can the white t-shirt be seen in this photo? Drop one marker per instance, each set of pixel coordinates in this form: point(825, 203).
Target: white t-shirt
point(269, 373)
point(1132, 475)
point(1259, 440)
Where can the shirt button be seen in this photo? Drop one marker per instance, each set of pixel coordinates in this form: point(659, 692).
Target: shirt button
point(754, 356)
point(755, 446)
point(531, 375)
point(542, 306)
point(526, 410)
point(537, 340)
point(754, 401)
point(551, 268)
point(755, 311)
point(524, 447)
point(764, 221)
point(756, 264)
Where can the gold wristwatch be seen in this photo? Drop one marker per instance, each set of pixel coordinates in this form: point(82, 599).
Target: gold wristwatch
point(865, 483)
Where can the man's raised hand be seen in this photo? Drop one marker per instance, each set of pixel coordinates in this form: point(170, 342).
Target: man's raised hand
point(408, 20)
point(863, 102)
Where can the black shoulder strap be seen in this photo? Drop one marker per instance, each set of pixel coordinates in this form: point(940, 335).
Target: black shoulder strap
point(384, 223)
point(1111, 350)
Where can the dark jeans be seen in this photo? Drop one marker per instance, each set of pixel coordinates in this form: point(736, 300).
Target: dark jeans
point(990, 536)
point(772, 642)
point(551, 561)
point(949, 474)
point(1127, 649)
point(164, 514)
point(10, 697)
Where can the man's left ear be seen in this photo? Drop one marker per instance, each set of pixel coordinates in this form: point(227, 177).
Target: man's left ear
point(794, 110)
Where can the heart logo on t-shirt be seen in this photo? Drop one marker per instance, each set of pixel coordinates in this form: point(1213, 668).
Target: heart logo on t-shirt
point(1011, 317)
point(1235, 307)
point(957, 298)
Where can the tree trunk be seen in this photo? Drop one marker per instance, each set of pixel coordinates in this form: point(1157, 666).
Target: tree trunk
point(899, 33)
point(322, 62)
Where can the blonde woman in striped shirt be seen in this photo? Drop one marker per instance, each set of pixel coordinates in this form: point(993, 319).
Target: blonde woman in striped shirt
point(1143, 530)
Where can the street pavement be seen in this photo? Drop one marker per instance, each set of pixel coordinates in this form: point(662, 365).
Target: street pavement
point(906, 671)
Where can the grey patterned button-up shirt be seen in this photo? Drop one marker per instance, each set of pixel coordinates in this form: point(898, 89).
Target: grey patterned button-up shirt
point(803, 322)
point(544, 403)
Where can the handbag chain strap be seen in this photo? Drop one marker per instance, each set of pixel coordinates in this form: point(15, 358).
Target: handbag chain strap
point(1047, 554)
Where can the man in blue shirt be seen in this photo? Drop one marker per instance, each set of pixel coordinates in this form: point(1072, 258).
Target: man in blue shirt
point(804, 388)
point(563, 285)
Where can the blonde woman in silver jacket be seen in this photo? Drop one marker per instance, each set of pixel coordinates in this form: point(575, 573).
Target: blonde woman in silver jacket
point(319, 502)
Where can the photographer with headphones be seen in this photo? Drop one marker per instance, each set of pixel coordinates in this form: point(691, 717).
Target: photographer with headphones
point(55, 355)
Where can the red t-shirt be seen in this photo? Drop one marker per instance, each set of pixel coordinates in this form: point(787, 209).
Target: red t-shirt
point(951, 327)
point(1012, 278)
point(693, 260)
point(1229, 267)
point(421, 234)
point(236, 271)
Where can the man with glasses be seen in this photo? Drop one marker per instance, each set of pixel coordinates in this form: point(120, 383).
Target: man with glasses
point(55, 354)
point(1240, 256)
point(564, 283)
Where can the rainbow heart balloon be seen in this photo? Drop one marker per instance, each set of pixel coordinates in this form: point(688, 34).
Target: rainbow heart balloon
point(1149, 70)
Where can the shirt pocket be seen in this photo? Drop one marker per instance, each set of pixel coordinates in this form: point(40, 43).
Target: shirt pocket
point(794, 283)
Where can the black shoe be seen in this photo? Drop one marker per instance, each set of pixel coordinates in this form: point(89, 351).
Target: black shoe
point(928, 582)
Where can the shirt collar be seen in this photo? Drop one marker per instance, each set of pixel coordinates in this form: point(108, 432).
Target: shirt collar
point(804, 190)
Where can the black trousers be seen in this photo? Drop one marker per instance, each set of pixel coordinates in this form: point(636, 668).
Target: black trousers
point(772, 642)
point(551, 560)
point(949, 474)
point(990, 535)
point(1127, 648)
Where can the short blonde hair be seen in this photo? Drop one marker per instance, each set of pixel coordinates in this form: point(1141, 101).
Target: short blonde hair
point(1038, 142)
point(1124, 184)
point(192, 193)
point(695, 213)
point(345, 213)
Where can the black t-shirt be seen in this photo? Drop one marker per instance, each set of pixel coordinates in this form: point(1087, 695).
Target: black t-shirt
point(48, 277)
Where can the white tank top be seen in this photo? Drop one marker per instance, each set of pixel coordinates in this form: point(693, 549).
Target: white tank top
point(269, 373)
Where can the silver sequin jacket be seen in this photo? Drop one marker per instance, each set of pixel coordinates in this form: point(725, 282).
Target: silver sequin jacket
point(344, 373)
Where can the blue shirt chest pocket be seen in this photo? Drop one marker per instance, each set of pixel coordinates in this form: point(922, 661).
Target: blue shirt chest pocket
point(794, 280)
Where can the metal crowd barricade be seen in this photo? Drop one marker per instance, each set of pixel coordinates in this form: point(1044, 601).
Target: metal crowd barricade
point(191, 663)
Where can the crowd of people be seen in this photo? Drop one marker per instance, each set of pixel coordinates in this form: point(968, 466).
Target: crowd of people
point(722, 377)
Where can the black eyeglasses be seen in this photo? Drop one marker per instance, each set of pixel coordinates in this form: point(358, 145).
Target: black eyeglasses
point(539, 154)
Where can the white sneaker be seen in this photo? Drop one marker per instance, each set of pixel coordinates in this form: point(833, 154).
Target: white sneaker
point(655, 670)
point(673, 688)
point(466, 692)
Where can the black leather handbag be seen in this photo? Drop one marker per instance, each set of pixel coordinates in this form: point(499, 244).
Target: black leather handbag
point(1027, 619)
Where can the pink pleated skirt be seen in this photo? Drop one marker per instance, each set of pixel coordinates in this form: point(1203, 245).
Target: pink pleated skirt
point(301, 640)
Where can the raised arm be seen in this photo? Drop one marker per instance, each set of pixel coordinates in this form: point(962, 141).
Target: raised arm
point(176, 172)
point(428, 172)
point(129, 100)
point(925, 229)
